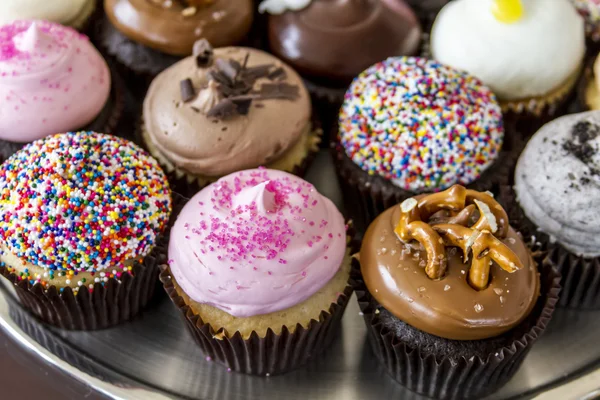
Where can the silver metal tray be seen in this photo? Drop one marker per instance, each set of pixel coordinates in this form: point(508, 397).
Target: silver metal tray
point(153, 357)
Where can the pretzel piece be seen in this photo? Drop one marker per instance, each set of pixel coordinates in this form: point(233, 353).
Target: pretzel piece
point(411, 227)
point(479, 198)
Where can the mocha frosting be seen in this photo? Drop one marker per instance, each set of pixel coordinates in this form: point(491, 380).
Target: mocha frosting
point(208, 141)
point(395, 274)
point(337, 39)
point(171, 26)
point(557, 181)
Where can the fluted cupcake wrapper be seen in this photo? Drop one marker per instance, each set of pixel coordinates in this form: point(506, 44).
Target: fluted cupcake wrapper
point(366, 196)
point(423, 372)
point(106, 305)
point(270, 354)
point(105, 122)
point(580, 276)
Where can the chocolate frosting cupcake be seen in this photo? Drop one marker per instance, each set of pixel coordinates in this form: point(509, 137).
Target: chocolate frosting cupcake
point(334, 40)
point(172, 27)
point(448, 293)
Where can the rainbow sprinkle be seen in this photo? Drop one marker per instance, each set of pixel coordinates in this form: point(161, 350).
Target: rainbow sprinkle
point(590, 11)
point(420, 124)
point(82, 202)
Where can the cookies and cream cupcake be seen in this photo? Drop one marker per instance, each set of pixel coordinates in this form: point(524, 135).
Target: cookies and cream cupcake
point(256, 258)
point(557, 190)
point(149, 36)
point(52, 79)
point(227, 110)
point(80, 213)
point(529, 52)
point(449, 287)
point(411, 125)
point(73, 13)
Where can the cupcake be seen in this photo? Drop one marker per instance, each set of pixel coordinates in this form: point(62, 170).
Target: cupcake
point(148, 36)
point(73, 13)
point(448, 289)
point(80, 220)
point(556, 185)
point(227, 110)
point(51, 80)
point(590, 11)
point(330, 42)
point(411, 125)
point(529, 52)
point(259, 266)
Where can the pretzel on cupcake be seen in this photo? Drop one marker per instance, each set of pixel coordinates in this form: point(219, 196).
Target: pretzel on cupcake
point(443, 220)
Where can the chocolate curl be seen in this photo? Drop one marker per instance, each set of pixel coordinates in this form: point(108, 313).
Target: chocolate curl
point(203, 52)
point(187, 90)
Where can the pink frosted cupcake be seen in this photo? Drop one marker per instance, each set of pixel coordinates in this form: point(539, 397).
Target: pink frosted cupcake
point(52, 79)
point(259, 266)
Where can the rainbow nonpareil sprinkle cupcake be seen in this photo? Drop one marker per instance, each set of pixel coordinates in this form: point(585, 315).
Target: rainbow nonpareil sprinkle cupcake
point(79, 213)
point(411, 125)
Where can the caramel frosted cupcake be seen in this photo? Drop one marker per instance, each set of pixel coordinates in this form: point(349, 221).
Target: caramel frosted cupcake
point(556, 185)
point(148, 36)
point(224, 111)
point(529, 53)
point(73, 13)
point(411, 125)
point(449, 289)
point(259, 266)
point(52, 80)
point(330, 42)
point(80, 216)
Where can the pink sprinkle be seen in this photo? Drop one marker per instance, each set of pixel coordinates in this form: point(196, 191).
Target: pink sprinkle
point(208, 358)
point(170, 261)
point(303, 273)
point(269, 272)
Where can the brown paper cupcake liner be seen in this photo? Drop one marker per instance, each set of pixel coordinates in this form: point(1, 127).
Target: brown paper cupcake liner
point(106, 305)
point(326, 103)
point(366, 196)
point(580, 276)
point(188, 186)
point(267, 355)
point(106, 122)
point(441, 377)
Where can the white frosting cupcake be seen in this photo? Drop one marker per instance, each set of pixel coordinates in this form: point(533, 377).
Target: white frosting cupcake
point(530, 57)
point(73, 13)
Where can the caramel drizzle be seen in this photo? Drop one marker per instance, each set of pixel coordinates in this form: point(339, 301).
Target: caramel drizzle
point(481, 239)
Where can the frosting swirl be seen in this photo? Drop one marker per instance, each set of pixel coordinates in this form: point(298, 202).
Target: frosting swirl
point(51, 80)
point(256, 242)
point(423, 125)
point(210, 146)
point(530, 57)
point(172, 27)
point(337, 39)
point(458, 305)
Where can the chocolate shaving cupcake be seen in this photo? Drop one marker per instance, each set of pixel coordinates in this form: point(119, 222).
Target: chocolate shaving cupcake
point(52, 80)
point(225, 110)
point(330, 42)
point(451, 295)
point(530, 53)
point(557, 185)
point(148, 36)
point(259, 265)
point(81, 216)
point(411, 125)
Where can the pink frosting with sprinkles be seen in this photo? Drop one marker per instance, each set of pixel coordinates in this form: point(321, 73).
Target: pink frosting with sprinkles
point(255, 242)
point(422, 125)
point(52, 80)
